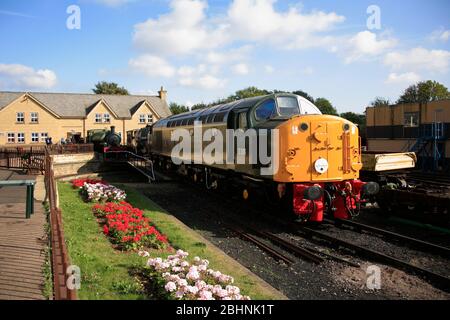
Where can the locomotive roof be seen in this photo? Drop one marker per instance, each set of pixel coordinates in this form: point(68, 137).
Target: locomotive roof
point(217, 113)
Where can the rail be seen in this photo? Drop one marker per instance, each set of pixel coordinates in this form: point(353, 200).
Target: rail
point(60, 257)
point(142, 164)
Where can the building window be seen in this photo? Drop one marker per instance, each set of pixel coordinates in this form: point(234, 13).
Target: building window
point(20, 117)
point(44, 135)
point(21, 137)
point(150, 118)
point(34, 117)
point(34, 137)
point(11, 137)
point(106, 118)
point(411, 119)
point(142, 118)
point(98, 118)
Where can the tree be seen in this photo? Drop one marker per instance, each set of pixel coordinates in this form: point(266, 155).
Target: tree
point(359, 119)
point(199, 106)
point(325, 106)
point(248, 93)
point(176, 108)
point(109, 88)
point(424, 91)
point(379, 102)
point(304, 95)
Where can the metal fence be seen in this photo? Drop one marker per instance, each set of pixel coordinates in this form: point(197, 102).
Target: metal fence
point(32, 158)
point(60, 257)
point(29, 159)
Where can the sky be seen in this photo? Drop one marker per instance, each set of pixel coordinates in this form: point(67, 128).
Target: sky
point(346, 51)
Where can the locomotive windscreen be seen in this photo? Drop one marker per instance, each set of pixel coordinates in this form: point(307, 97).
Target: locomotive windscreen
point(288, 106)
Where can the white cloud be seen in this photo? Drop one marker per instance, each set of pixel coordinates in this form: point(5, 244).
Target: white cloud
point(152, 66)
point(186, 29)
point(440, 35)
point(419, 59)
point(365, 45)
point(26, 77)
point(403, 78)
point(269, 69)
point(207, 81)
point(240, 69)
point(257, 20)
point(229, 56)
point(182, 31)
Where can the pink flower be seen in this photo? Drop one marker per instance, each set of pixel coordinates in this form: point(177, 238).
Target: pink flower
point(170, 286)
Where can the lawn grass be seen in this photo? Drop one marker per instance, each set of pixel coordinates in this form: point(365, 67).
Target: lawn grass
point(106, 272)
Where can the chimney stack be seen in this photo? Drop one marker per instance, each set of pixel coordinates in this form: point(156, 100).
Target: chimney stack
point(162, 94)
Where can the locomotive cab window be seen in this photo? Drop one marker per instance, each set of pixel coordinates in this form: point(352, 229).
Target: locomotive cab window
point(288, 106)
point(242, 121)
point(266, 110)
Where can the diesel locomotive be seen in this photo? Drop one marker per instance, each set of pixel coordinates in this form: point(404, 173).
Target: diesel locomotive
point(319, 156)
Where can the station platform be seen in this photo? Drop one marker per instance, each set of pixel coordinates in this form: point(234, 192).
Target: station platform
point(22, 241)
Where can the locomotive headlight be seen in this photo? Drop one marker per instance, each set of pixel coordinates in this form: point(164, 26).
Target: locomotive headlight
point(370, 188)
point(321, 165)
point(313, 193)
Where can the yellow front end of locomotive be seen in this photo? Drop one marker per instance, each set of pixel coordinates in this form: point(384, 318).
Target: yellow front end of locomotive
point(318, 148)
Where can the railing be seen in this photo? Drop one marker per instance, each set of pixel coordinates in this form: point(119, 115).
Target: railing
point(29, 159)
point(71, 148)
point(142, 164)
point(60, 257)
point(32, 158)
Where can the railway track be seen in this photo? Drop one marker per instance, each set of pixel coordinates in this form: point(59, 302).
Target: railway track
point(413, 242)
point(310, 254)
point(438, 280)
point(327, 240)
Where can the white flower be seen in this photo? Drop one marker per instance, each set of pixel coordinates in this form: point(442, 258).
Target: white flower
point(182, 282)
point(193, 275)
point(205, 295)
point(170, 286)
point(143, 253)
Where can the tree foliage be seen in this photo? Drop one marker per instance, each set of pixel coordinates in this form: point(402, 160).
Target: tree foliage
point(424, 91)
point(304, 95)
point(356, 118)
point(325, 106)
point(379, 102)
point(176, 108)
point(104, 87)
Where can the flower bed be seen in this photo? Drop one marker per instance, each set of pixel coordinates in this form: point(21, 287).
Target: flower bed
point(100, 192)
point(78, 183)
point(127, 227)
point(180, 279)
